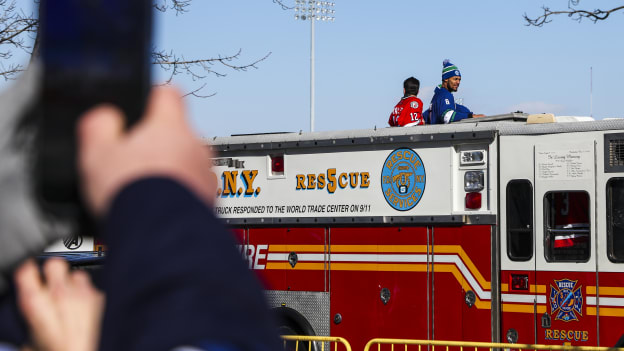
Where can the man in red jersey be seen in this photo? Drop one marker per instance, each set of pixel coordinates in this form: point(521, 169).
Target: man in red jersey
point(408, 112)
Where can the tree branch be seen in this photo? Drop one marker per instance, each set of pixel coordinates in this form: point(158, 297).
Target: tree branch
point(199, 68)
point(16, 26)
point(180, 6)
point(13, 27)
point(10, 72)
point(281, 3)
point(575, 14)
point(195, 93)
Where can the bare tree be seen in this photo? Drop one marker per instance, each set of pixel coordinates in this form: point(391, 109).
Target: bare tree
point(15, 26)
point(572, 12)
point(200, 68)
point(18, 31)
point(197, 69)
point(179, 6)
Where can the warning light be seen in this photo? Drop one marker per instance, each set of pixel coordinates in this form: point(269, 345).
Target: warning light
point(277, 164)
point(473, 201)
point(473, 181)
point(519, 282)
point(472, 157)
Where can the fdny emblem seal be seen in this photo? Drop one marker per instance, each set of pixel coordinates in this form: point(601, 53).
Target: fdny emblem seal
point(403, 179)
point(414, 104)
point(566, 300)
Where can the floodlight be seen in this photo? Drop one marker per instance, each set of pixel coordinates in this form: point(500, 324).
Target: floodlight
point(319, 10)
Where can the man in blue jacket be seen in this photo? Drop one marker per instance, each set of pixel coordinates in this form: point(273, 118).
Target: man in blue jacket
point(443, 108)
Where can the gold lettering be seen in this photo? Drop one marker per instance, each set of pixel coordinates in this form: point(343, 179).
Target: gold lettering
point(353, 179)
point(549, 334)
point(229, 182)
point(556, 334)
point(311, 181)
point(316, 181)
point(331, 178)
point(585, 335)
point(248, 177)
point(570, 334)
point(321, 181)
point(577, 335)
point(300, 181)
point(364, 181)
point(340, 178)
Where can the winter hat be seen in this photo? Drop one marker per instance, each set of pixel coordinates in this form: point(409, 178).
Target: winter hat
point(449, 70)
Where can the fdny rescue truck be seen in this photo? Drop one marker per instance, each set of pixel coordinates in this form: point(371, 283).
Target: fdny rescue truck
point(494, 229)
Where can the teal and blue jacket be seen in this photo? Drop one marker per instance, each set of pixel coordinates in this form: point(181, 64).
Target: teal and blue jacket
point(443, 108)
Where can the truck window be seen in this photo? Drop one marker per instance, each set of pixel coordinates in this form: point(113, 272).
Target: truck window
point(566, 226)
point(615, 219)
point(519, 220)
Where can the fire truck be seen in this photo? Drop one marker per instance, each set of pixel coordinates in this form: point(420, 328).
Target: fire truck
point(506, 228)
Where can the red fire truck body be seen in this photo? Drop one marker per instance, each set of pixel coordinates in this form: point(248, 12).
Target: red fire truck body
point(492, 230)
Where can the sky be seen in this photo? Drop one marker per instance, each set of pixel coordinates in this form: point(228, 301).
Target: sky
point(363, 57)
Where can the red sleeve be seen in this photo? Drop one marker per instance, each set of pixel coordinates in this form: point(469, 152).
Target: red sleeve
point(395, 115)
point(391, 120)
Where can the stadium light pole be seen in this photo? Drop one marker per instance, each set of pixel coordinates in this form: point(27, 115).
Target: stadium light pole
point(312, 10)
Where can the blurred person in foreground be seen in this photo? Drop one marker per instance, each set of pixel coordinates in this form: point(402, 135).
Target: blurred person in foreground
point(173, 279)
point(443, 109)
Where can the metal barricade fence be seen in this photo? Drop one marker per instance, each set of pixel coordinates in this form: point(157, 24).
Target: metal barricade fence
point(431, 345)
point(317, 343)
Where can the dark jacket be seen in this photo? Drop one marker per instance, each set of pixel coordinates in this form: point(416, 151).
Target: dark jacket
point(443, 108)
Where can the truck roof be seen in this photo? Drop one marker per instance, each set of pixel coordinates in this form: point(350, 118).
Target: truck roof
point(481, 128)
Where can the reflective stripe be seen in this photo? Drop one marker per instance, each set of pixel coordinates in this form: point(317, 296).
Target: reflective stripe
point(522, 298)
point(301, 257)
point(606, 301)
